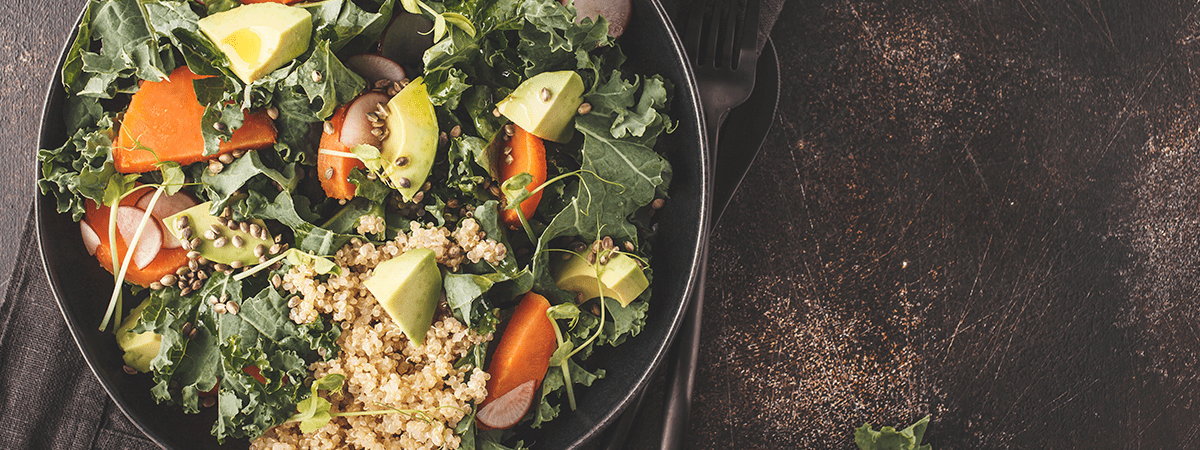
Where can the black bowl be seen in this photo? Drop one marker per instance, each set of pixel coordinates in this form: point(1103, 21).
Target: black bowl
point(81, 286)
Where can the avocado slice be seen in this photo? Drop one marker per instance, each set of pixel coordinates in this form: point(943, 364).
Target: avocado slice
point(408, 287)
point(411, 143)
point(200, 220)
point(621, 278)
point(259, 38)
point(545, 105)
point(139, 348)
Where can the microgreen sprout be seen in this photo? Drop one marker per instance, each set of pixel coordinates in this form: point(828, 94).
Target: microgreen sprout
point(296, 257)
point(566, 348)
point(439, 19)
point(516, 190)
point(121, 186)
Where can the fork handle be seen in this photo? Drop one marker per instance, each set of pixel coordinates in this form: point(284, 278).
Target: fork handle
point(681, 373)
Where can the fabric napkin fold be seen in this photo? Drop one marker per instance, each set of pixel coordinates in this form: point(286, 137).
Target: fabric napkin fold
point(49, 397)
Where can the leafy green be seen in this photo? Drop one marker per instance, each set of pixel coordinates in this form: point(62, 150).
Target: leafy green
point(175, 21)
point(555, 42)
point(313, 412)
point(80, 169)
point(216, 6)
point(318, 264)
point(346, 26)
point(325, 80)
point(472, 438)
point(619, 174)
point(309, 238)
point(237, 176)
point(618, 171)
point(887, 438)
point(128, 48)
point(555, 382)
point(261, 334)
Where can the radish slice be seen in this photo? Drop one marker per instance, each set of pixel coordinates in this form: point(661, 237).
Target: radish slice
point(357, 128)
point(150, 242)
point(166, 207)
point(616, 12)
point(375, 68)
point(90, 239)
point(509, 408)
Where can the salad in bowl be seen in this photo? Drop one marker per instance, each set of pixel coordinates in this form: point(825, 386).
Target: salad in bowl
point(362, 223)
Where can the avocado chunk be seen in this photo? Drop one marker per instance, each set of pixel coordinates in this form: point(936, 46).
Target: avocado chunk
point(200, 221)
point(412, 138)
point(139, 348)
point(621, 278)
point(259, 38)
point(545, 105)
point(408, 287)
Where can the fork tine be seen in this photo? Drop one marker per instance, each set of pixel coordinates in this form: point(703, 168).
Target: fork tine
point(726, 57)
point(712, 35)
point(691, 40)
point(749, 38)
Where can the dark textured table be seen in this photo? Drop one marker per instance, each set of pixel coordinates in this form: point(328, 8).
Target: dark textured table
point(984, 211)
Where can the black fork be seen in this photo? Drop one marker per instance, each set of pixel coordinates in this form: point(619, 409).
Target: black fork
point(724, 57)
point(721, 42)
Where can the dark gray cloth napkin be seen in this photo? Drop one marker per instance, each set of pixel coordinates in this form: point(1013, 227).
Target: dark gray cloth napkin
point(49, 397)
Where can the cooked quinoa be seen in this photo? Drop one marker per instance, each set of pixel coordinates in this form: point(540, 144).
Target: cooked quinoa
point(382, 368)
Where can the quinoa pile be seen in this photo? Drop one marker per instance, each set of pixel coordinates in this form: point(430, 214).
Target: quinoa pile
point(382, 368)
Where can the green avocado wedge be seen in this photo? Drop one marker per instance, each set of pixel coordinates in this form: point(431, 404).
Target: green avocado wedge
point(199, 221)
point(139, 348)
point(408, 288)
point(259, 38)
point(621, 278)
point(411, 143)
point(545, 105)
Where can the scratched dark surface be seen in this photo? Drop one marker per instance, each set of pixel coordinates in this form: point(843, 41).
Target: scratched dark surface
point(985, 211)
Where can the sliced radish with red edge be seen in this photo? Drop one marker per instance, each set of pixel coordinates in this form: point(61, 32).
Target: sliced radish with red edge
point(508, 409)
point(616, 12)
point(375, 68)
point(90, 239)
point(167, 206)
point(149, 243)
point(357, 128)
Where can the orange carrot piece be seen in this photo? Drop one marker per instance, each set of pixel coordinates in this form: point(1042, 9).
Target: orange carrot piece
point(165, 116)
point(166, 262)
point(528, 156)
point(334, 170)
point(524, 350)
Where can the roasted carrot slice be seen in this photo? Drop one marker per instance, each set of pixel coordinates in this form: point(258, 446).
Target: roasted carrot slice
point(164, 116)
point(334, 170)
point(528, 156)
point(522, 356)
point(166, 262)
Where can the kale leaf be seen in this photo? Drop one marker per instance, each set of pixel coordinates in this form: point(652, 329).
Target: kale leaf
point(887, 438)
point(224, 345)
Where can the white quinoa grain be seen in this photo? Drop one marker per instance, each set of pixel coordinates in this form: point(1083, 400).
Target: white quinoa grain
point(381, 366)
